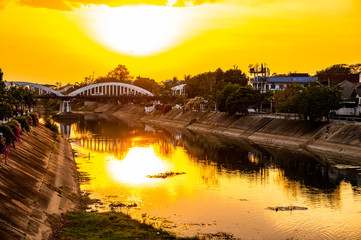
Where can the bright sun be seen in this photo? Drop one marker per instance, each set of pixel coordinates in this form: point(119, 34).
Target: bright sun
point(137, 30)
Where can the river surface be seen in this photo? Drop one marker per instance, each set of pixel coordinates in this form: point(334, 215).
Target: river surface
point(197, 184)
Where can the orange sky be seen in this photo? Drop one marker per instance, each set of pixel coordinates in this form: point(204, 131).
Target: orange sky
point(49, 41)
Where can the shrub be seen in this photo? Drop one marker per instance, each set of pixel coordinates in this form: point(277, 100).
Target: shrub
point(164, 108)
point(8, 134)
point(34, 118)
point(2, 145)
point(4, 149)
point(14, 125)
point(23, 122)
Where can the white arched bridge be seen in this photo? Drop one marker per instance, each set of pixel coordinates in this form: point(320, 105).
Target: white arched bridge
point(111, 89)
point(98, 90)
point(39, 90)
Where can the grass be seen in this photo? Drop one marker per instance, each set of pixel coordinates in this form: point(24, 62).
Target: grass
point(107, 225)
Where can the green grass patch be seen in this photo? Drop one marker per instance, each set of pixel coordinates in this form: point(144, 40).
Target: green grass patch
point(107, 225)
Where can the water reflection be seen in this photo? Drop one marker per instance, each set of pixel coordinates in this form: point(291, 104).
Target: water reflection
point(227, 185)
point(136, 166)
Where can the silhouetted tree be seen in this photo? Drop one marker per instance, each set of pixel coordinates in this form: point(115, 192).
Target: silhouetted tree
point(242, 99)
point(224, 94)
point(341, 69)
point(286, 99)
point(147, 83)
point(317, 101)
point(119, 74)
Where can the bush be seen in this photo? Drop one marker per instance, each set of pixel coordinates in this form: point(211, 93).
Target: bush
point(4, 149)
point(164, 108)
point(34, 118)
point(24, 122)
point(8, 134)
point(14, 125)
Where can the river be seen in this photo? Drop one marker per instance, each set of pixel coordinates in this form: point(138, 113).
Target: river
point(215, 187)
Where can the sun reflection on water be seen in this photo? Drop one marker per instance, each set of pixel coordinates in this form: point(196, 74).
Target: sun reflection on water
point(134, 168)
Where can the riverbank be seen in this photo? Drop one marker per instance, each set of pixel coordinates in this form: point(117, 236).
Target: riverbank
point(336, 142)
point(39, 182)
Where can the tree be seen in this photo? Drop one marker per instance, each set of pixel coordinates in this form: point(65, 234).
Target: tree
point(341, 69)
point(317, 101)
point(224, 94)
point(285, 99)
point(14, 96)
point(201, 85)
point(147, 83)
point(241, 99)
point(6, 110)
point(118, 74)
point(235, 75)
point(209, 84)
point(29, 98)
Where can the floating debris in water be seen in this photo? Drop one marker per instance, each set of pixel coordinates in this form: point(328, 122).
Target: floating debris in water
point(218, 235)
point(166, 174)
point(121, 205)
point(288, 208)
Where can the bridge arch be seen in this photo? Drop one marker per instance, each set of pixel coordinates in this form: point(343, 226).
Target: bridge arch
point(110, 89)
point(33, 86)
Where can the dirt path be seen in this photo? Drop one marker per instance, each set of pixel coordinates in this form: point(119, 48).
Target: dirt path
point(41, 180)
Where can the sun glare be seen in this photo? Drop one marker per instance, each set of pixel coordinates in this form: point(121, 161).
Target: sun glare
point(137, 30)
point(135, 167)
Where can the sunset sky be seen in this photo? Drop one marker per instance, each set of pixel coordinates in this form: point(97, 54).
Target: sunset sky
point(47, 41)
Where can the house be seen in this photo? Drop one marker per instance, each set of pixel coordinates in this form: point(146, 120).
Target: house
point(350, 93)
point(349, 100)
point(279, 83)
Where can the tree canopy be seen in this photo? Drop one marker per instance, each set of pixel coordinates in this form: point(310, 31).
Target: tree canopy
point(13, 98)
point(118, 74)
point(286, 99)
point(317, 101)
point(341, 69)
point(147, 83)
point(242, 99)
point(209, 84)
point(314, 102)
point(224, 94)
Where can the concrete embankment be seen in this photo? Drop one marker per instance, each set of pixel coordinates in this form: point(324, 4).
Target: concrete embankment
point(331, 140)
point(40, 180)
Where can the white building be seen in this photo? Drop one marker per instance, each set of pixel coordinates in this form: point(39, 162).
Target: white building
point(279, 83)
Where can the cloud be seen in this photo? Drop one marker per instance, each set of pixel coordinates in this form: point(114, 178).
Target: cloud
point(69, 5)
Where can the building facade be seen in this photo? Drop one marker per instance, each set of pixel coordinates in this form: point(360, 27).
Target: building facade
point(279, 83)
